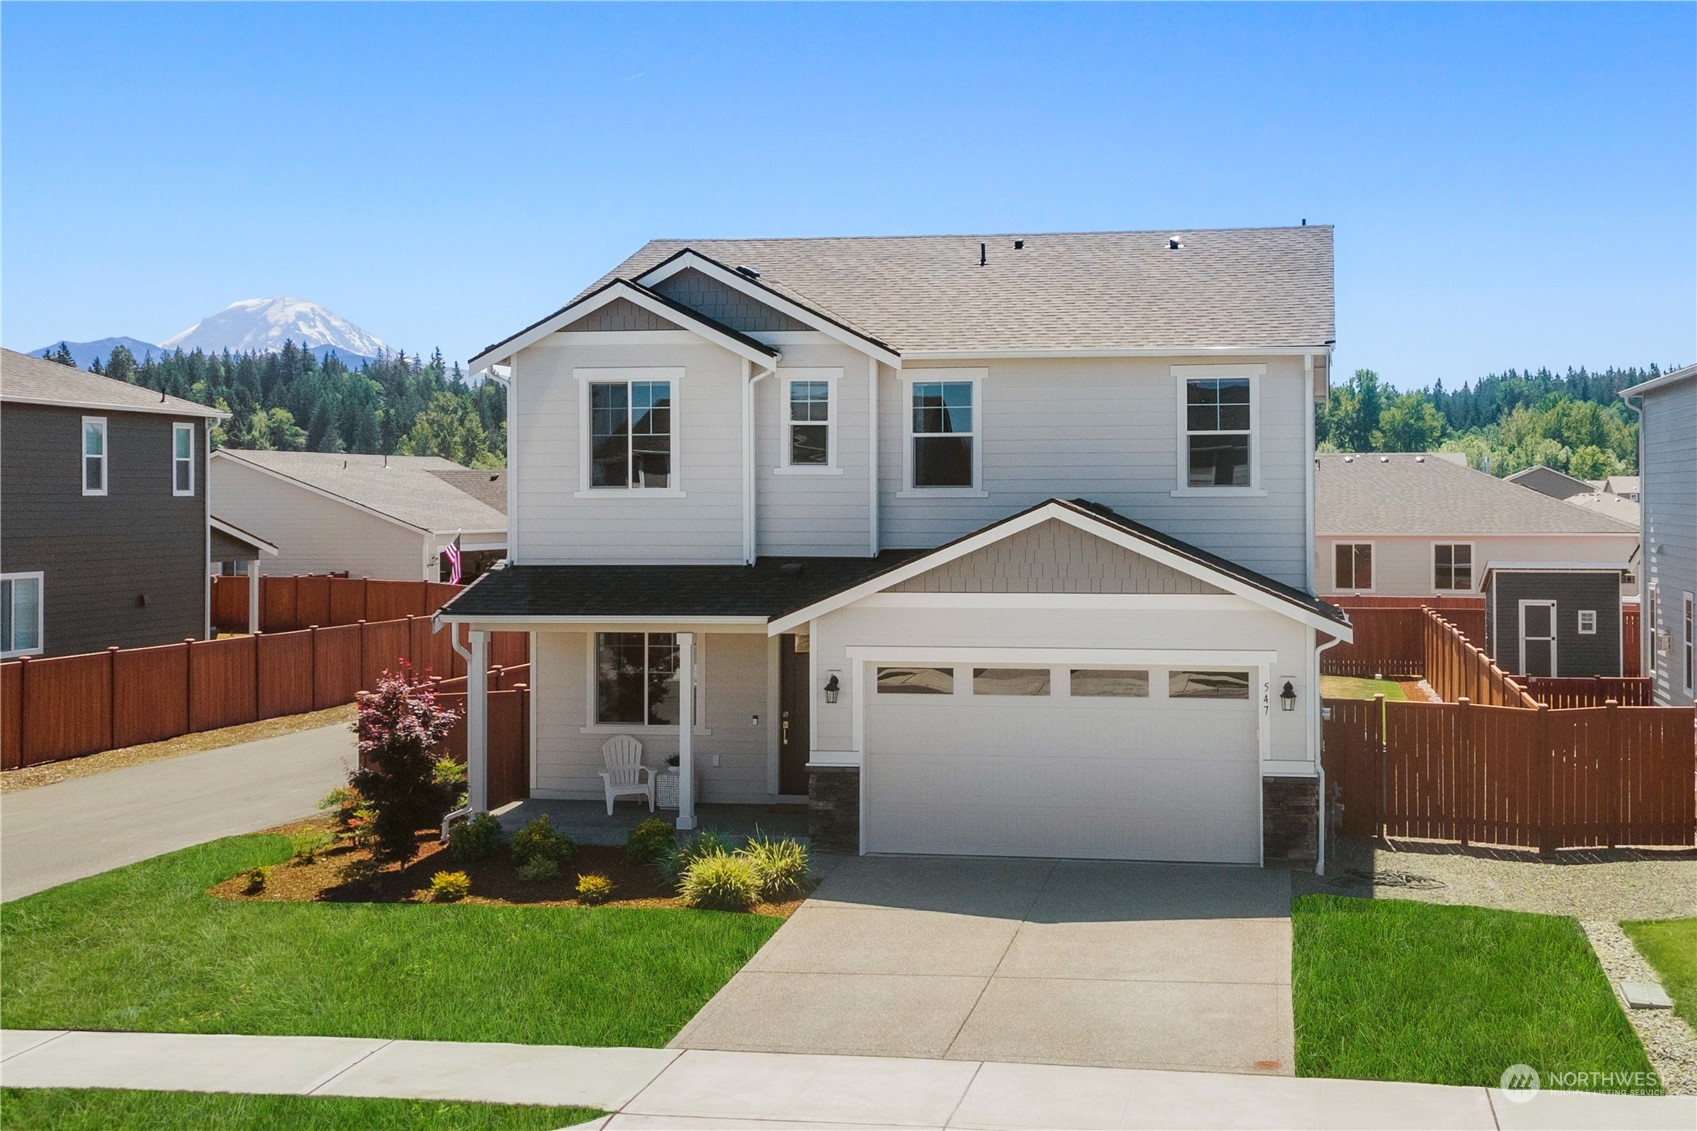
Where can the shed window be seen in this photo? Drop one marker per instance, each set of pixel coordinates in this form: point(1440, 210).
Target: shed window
point(1207, 685)
point(1587, 622)
point(636, 678)
point(916, 681)
point(1353, 563)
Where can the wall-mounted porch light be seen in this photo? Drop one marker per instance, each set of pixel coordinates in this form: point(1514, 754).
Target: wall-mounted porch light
point(1287, 697)
point(832, 687)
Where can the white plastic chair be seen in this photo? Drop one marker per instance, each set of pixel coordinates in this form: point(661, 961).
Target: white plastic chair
point(625, 775)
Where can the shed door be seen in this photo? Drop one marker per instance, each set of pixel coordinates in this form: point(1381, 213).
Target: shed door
point(1538, 637)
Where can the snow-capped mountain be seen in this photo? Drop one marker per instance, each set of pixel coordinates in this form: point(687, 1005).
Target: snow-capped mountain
point(263, 324)
point(85, 352)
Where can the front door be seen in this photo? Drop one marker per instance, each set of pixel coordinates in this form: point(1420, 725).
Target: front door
point(1538, 638)
point(795, 702)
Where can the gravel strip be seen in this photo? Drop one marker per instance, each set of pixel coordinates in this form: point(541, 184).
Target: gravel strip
point(1668, 1040)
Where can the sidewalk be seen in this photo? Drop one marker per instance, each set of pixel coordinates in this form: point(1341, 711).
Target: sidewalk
point(678, 1089)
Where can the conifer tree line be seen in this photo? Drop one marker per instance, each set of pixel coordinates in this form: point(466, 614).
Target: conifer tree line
point(291, 401)
point(1574, 422)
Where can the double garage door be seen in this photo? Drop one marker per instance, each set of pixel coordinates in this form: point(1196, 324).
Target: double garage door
point(1145, 764)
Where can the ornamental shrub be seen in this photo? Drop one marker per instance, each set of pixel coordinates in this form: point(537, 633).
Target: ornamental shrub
point(352, 813)
point(256, 880)
point(449, 887)
point(594, 888)
point(473, 840)
point(678, 858)
point(650, 841)
point(780, 864)
point(721, 882)
point(538, 840)
point(307, 846)
point(400, 727)
point(537, 869)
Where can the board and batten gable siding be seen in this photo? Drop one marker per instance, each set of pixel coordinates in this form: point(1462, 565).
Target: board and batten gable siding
point(555, 526)
point(1667, 441)
point(101, 554)
point(808, 513)
point(733, 671)
point(1053, 557)
point(1106, 429)
point(1402, 564)
point(1577, 655)
point(312, 532)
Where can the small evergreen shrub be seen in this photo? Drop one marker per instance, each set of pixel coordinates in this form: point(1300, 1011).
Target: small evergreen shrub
point(780, 864)
point(678, 858)
point(539, 840)
point(537, 869)
point(307, 846)
point(594, 888)
point(721, 882)
point(475, 839)
point(353, 814)
point(449, 887)
point(650, 841)
point(256, 880)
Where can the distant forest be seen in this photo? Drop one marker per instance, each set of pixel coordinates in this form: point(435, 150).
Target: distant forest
point(290, 401)
point(1506, 422)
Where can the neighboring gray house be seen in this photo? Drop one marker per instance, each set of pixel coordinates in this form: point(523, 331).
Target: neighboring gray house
point(1548, 619)
point(1667, 465)
point(364, 515)
point(981, 545)
point(103, 509)
point(1626, 486)
point(1411, 524)
point(1549, 481)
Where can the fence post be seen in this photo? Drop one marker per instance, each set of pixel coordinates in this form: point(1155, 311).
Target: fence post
point(1611, 775)
point(1376, 731)
point(1466, 758)
point(188, 684)
point(312, 664)
point(1544, 778)
point(112, 697)
point(23, 708)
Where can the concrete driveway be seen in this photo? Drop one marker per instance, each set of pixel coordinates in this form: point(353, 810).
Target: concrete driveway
point(1121, 965)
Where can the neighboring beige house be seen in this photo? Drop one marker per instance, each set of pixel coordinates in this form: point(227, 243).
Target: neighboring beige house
point(365, 515)
point(1409, 524)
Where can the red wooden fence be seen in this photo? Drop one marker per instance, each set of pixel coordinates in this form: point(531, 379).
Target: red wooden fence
point(287, 604)
point(1390, 633)
point(1592, 692)
point(1457, 669)
point(509, 730)
point(1545, 779)
point(68, 706)
point(1631, 660)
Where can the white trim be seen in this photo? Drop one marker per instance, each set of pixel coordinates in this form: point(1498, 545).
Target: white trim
point(1188, 602)
point(1182, 375)
point(1098, 527)
point(40, 579)
point(774, 709)
point(831, 376)
point(530, 623)
point(226, 453)
point(872, 455)
point(627, 375)
point(1308, 414)
point(172, 407)
point(1472, 567)
point(624, 338)
point(105, 456)
point(1580, 622)
point(241, 535)
point(1373, 567)
point(206, 632)
point(617, 289)
point(513, 475)
point(974, 377)
point(1159, 351)
point(690, 259)
point(1555, 633)
point(176, 427)
point(957, 655)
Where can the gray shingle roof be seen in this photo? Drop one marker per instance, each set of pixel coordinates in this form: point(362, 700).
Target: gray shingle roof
point(487, 487)
point(1225, 288)
point(1601, 502)
point(403, 487)
point(1412, 493)
point(33, 380)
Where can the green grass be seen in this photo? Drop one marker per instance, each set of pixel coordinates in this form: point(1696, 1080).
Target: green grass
point(100, 1109)
point(145, 948)
point(1398, 990)
point(1671, 947)
point(1354, 687)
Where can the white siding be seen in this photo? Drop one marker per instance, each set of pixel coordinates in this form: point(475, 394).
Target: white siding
point(733, 670)
point(312, 533)
point(809, 513)
point(1668, 441)
point(1107, 430)
point(1402, 566)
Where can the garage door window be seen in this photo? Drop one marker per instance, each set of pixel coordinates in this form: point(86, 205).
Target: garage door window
point(1110, 683)
point(1207, 685)
point(1010, 681)
point(916, 681)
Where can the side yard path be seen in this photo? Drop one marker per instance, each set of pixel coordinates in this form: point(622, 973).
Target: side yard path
point(678, 1089)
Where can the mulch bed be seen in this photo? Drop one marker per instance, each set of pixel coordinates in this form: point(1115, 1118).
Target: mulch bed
point(493, 880)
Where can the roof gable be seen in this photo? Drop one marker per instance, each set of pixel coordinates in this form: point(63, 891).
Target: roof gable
point(1054, 557)
point(33, 380)
point(401, 489)
point(724, 303)
point(620, 314)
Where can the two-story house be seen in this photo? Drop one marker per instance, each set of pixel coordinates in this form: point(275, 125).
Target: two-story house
point(996, 546)
point(1667, 495)
point(103, 507)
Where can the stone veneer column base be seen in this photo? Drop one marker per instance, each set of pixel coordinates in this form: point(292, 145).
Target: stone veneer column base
point(833, 808)
point(1290, 816)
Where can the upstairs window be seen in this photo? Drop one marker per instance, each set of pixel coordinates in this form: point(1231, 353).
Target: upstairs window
point(943, 430)
point(1353, 566)
point(20, 614)
point(1218, 427)
point(809, 420)
point(94, 455)
point(631, 434)
point(1452, 566)
point(182, 458)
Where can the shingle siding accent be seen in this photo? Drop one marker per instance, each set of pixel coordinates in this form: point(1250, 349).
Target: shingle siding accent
point(101, 553)
point(620, 314)
point(724, 304)
point(1053, 557)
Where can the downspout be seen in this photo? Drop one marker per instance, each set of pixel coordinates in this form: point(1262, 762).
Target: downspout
point(872, 454)
point(463, 811)
point(750, 498)
point(1319, 760)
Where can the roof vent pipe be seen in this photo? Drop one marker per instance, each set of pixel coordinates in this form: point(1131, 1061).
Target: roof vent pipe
point(982, 257)
point(1174, 243)
point(1019, 245)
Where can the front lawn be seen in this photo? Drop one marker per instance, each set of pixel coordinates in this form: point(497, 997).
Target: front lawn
point(146, 948)
point(99, 1109)
point(1356, 687)
point(1398, 990)
point(1670, 945)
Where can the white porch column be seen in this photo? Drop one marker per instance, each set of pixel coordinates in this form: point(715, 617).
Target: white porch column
point(253, 594)
point(686, 730)
point(477, 723)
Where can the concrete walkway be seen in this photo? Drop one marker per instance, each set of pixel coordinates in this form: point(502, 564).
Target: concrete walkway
point(677, 1089)
point(1117, 965)
point(53, 834)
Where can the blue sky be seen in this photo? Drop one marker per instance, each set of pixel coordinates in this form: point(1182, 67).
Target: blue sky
point(1511, 185)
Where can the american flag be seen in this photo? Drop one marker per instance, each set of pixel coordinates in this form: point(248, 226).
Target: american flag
point(452, 552)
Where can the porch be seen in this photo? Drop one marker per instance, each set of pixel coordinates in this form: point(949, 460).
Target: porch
point(587, 822)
